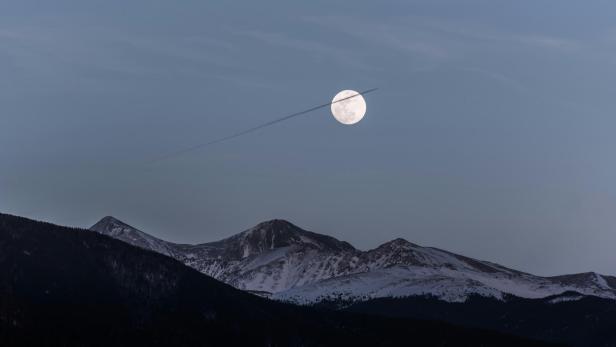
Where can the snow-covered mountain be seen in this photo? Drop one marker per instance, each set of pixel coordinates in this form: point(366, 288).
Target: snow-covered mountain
point(292, 264)
point(112, 227)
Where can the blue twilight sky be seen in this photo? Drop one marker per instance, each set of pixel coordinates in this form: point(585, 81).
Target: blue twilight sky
point(492, 134)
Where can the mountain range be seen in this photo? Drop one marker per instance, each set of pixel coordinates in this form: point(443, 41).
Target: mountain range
point(63, 286)
point(284, 262)
point(121, 286)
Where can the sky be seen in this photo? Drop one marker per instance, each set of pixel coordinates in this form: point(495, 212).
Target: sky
point(491, 134)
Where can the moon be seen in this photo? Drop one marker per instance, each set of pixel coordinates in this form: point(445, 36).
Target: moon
point(348, 111)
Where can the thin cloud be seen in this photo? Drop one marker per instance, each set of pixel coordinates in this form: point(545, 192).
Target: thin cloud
point(332, 52)
point(499, 77)
point(545, 41)
point(435, 38)
point(403, 37)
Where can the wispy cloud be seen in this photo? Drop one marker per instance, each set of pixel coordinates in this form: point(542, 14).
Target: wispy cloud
point(543, 41)
point(55, 49)
point(499, 77)
point(434, 38)
point(320, 49)
point(399, 36)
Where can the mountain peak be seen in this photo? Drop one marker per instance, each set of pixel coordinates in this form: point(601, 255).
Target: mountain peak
point(278, 233)
point(107, 222)
point(115, 228)
point(280, 225)
point(398, 243)
point(401, 241)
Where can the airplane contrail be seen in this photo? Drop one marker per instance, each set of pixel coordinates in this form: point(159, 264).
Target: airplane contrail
point(244, 132)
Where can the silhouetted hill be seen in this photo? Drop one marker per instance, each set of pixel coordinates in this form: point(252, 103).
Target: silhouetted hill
point(569, 318)
point(72, 287)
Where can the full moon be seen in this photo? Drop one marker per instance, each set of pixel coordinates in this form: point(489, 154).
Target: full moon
point(348, 111)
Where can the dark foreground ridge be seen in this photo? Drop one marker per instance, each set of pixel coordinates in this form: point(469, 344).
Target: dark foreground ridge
point(570, 318)
point(69, 287)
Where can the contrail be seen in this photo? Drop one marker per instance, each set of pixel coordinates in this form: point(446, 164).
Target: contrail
point(272, 122)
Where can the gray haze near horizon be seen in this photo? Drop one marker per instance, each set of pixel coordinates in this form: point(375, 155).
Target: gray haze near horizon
point(492, 133)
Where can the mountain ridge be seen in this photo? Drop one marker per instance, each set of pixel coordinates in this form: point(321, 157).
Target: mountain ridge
point(305, 267)
point(66, 286)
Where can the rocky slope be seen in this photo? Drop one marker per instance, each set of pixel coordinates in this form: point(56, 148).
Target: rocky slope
point(291, 264)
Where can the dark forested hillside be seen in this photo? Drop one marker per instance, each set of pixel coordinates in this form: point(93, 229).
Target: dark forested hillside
point(568, 318)
point(72, 287)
